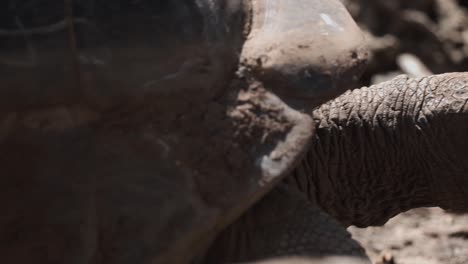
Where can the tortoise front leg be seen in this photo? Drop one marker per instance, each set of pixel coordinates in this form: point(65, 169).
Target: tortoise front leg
point(286, 228)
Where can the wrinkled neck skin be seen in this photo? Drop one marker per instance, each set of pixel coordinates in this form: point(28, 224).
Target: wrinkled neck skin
point(385, 149)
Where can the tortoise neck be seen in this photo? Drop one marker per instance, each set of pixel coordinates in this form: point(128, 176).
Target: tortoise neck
point(388, 148)
point(368, 160)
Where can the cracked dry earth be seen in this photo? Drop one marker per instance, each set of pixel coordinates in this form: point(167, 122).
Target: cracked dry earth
point(420, 236)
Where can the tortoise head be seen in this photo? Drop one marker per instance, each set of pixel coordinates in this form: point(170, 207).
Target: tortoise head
point(133, 131)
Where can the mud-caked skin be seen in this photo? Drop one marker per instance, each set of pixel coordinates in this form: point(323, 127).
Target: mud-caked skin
point(385, 149)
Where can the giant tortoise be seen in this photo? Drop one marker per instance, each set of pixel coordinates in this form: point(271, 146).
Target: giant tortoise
point(201, 131)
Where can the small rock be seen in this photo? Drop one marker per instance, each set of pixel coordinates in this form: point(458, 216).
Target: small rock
point(386, 257)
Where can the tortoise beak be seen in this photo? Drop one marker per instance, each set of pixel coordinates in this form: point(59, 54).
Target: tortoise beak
point(131, 160)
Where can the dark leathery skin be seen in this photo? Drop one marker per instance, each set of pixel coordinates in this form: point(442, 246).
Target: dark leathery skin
point(385, 149)
point(284, 225)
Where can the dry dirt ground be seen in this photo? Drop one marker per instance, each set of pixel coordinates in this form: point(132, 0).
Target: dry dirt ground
point(415, 37)
point(420, 236)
